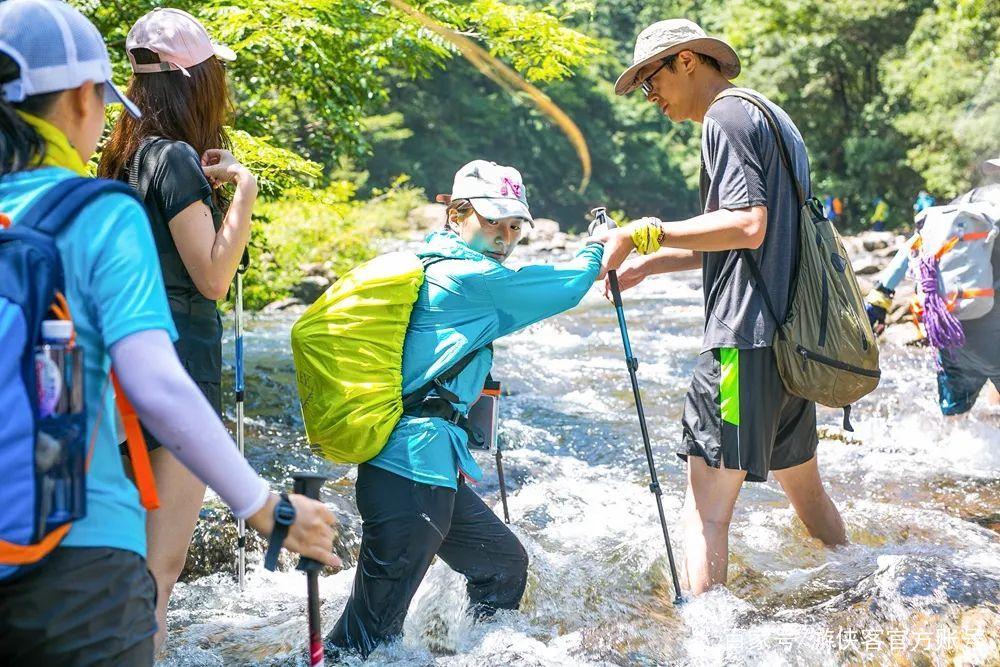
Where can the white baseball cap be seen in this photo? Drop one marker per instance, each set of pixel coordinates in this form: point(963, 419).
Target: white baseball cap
point(991, 166)
point(178, 38)
point(56, 48)
point(495, 191)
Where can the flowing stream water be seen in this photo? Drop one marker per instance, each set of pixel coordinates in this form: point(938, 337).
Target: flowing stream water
point(920, 495)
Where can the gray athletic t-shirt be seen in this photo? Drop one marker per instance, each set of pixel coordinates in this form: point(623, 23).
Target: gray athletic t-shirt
point(742, 169)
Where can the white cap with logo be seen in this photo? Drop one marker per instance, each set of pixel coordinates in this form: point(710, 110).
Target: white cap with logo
point(56, 48)
point(495, 191)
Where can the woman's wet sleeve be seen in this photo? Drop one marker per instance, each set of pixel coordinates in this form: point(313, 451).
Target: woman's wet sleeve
point(537, 291)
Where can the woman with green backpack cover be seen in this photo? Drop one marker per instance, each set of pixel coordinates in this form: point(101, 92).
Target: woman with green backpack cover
point(415, 496)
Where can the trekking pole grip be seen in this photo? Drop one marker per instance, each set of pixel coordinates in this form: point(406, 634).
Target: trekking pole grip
point(602, 219)
point(308, 484)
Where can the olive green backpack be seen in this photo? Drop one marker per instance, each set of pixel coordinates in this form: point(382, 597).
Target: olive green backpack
point(825, 348)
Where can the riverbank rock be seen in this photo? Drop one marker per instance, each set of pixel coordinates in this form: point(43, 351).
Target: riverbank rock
point(544, 231)
point(282, 305)
point(867, 242)
point(310, 288)
point(902, 335)
point(426, 217)
point(213, 545)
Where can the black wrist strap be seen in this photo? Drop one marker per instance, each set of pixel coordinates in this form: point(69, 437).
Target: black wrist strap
point(278, 535)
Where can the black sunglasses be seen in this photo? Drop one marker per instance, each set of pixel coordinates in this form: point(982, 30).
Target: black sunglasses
point(647, 85)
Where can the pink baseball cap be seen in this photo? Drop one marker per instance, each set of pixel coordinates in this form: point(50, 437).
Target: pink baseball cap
point(178, 38)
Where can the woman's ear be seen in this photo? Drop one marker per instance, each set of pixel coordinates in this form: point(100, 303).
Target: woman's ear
point(79, 99)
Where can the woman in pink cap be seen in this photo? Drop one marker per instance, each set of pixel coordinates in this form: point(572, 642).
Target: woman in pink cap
point(173, 156)
point(74, 583)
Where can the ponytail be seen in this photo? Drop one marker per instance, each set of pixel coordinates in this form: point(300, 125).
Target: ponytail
point(461, 206)
point(21, 147)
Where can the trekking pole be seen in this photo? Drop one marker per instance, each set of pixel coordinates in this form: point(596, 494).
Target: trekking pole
point(241, 527)
point(601, 217)
point(309, 484)
point(503, 485)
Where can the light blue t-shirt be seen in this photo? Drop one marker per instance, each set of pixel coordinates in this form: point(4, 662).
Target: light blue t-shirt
point(114, 289)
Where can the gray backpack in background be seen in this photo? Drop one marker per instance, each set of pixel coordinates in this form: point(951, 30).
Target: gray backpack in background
point(825, 348)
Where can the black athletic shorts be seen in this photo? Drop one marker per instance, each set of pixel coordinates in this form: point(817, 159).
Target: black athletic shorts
point(83, 606)
point(738, 414)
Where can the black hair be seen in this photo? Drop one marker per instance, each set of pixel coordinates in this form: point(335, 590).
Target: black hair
point(669, 61)
point(20, 144)
point(462, 206)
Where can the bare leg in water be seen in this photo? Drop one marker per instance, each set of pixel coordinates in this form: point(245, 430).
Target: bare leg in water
point(805, 491)
point(169, 529)
point(708, 511)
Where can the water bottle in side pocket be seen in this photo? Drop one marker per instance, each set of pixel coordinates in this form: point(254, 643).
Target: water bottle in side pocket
point(60, 446)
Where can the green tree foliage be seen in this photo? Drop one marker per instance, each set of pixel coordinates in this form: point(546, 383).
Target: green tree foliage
point(347, 96)
point(946, 83)
point(820, 61)
point(891, 96)
point(310, 74)
point(310, 71)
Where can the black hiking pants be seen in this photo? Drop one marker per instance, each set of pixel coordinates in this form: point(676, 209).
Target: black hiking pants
point(405, 524)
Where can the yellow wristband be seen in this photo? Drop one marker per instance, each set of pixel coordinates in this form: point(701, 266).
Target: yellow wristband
point(645, 235)
point(878, 298)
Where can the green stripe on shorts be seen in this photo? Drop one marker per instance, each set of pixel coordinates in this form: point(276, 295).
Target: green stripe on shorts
point(729, 385)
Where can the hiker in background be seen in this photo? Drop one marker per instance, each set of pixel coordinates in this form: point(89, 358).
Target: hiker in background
point(739, 423)
point(924, 200)
point(955, 259)
point(414, 496)
point(838, 208)
point(828, 208)
point(173, 156)
point(91, 599)
point(880, 214)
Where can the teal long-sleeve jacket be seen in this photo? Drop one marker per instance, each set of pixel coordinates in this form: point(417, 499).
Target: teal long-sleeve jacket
point(465, 303)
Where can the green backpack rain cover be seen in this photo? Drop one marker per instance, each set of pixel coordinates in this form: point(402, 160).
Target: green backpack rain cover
point(348, 353)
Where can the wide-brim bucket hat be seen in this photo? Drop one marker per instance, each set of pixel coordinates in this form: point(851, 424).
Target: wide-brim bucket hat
point(666, 38)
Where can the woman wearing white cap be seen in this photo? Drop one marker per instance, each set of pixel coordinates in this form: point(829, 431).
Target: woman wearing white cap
point(90, 600)
point(415, 497)
point(172, 156)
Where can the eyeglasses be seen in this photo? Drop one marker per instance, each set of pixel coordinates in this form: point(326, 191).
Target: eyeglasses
point(647, 83)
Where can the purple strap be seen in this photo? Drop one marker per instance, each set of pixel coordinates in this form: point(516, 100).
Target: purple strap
point(944, 331)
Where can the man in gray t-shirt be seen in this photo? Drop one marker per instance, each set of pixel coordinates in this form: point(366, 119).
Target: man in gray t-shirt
point(739, 423)
point(742, 169)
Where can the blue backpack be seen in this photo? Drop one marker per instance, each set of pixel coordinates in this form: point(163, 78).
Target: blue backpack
point(31, 281)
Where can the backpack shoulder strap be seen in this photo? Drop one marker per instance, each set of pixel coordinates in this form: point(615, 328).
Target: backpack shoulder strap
point(786, 157)
point(413, 400)
point(786, 160)
point(61, 203)
point(759, 279)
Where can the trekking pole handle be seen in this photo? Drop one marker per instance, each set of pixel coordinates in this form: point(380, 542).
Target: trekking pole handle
point(308, 484)
point(602, 219)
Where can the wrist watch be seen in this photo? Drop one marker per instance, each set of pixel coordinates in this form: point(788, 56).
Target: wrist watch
point(284, 517)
